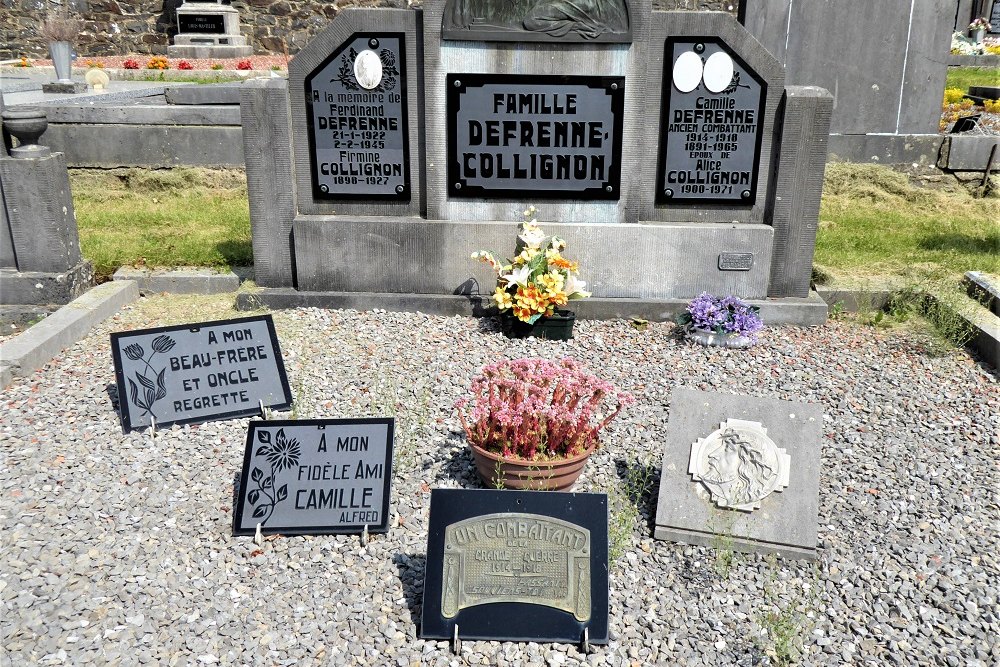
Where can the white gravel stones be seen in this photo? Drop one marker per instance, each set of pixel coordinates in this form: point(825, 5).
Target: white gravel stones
point(116, 550)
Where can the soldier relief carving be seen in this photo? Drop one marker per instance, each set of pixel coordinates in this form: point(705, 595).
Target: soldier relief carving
point(537, 20)
point(739, 465)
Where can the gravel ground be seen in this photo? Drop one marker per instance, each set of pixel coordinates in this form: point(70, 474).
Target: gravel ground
point(117, 550)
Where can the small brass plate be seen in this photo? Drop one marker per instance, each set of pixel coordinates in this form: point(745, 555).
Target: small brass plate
point(514, 557)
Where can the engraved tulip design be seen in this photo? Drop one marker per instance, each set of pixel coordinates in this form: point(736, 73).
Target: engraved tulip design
point(152, 389)
point(283, 454)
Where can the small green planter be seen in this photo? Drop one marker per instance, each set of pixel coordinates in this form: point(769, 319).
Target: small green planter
point(557, 327)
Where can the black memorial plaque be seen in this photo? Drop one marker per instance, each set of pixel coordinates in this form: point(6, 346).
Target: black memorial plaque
point(205, 24)
point(193, 373)
point(710, 142)
point(516, 566)
point(995, 18)
point(358, 136)
point(315, 477)
point(537, 136)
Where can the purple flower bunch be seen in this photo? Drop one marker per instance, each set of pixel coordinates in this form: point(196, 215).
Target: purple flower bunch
point(536, 409)
point(723, 315)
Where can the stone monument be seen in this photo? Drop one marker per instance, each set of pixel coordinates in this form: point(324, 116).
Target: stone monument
point(741, 472)
point(662, 145)
point(40, 261)
point(208, 29)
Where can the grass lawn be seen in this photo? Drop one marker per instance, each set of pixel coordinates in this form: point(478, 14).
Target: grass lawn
point(875, 226)
point(963, 77)
point(171, 217)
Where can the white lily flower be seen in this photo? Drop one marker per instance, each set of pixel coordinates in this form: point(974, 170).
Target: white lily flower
point(518, 276)
point(575, 288)
point(532, 236)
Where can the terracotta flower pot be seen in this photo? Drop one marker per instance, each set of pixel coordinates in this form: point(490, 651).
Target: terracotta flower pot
point(499, 472)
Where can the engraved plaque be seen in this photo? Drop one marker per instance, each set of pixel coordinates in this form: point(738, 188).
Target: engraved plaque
point(193, 373)
point(356, 116)
point(315, 477)
point(537, 136)
point(710, 125)
point(517, 566)
point(512, 557)
point(735, 261)
point(206, 24)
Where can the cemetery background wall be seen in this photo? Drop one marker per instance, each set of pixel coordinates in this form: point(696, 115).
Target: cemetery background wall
point(115, 27)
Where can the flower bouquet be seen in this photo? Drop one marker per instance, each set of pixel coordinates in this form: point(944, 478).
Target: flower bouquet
point(533, 423)
point(723, 322)
point(535, 282)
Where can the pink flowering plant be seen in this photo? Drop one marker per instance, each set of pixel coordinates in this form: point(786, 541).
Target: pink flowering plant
point(538, 410)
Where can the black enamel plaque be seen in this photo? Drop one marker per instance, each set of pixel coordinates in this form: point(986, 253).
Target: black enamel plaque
point(356, 117)
point(205, 24)
point(535, 136)
point(193, 373)
point(710, 142)
point(315, 477)
point(516, 566)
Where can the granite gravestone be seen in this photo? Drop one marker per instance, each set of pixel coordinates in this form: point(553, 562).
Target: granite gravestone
point(995, 18)
point(315, 477)
point(516, 565)
point(494, 125)
point(193, 373)
point(205, 23)
point(741, 471)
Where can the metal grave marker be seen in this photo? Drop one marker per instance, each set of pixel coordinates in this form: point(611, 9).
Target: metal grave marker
point(543, 136)
point(199, 372)
point(315, 477)
point(710, 125)
point(356, 116)
point(536, 560)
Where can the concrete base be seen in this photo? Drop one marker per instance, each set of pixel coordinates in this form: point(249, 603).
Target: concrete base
point(789, 311)
point(962, 152)
point(29, 351)
point(108, 146)
point(785, 522)
point(921, 149)
point(208, 51)
point(983, 288)
point(63, 88)
point(41, 288)
point(180, 281)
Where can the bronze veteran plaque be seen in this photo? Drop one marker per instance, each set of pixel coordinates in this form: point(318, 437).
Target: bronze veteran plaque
point(516, 566)
point(513, 557)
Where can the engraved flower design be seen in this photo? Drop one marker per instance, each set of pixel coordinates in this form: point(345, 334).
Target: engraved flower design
point(134, 352)
point(283, 453)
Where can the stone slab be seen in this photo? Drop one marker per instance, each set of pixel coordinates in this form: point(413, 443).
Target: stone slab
point(223, 93)
point(785, 522)
point(136, 114)
point(180, 281)
point(920, 149)
point(985, 92)
point(29, 351)
point(988, 60)
point(969, 153)
point(19, 317)
point(108, 146)
point(209, 52)
point(795, 312)
point(984, 288)
point(41, 287)
point(62, 88)
point(349, 254)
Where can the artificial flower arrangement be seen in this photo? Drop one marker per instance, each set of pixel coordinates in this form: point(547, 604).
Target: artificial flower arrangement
point(729, 317)
point(546, 414)
point(980, 24)
point(538, 279)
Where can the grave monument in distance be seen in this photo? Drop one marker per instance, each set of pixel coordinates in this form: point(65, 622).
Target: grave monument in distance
point(207, 29)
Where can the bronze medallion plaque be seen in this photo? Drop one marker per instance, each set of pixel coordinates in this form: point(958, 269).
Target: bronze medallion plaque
point(514, 557)
point(516, 566)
